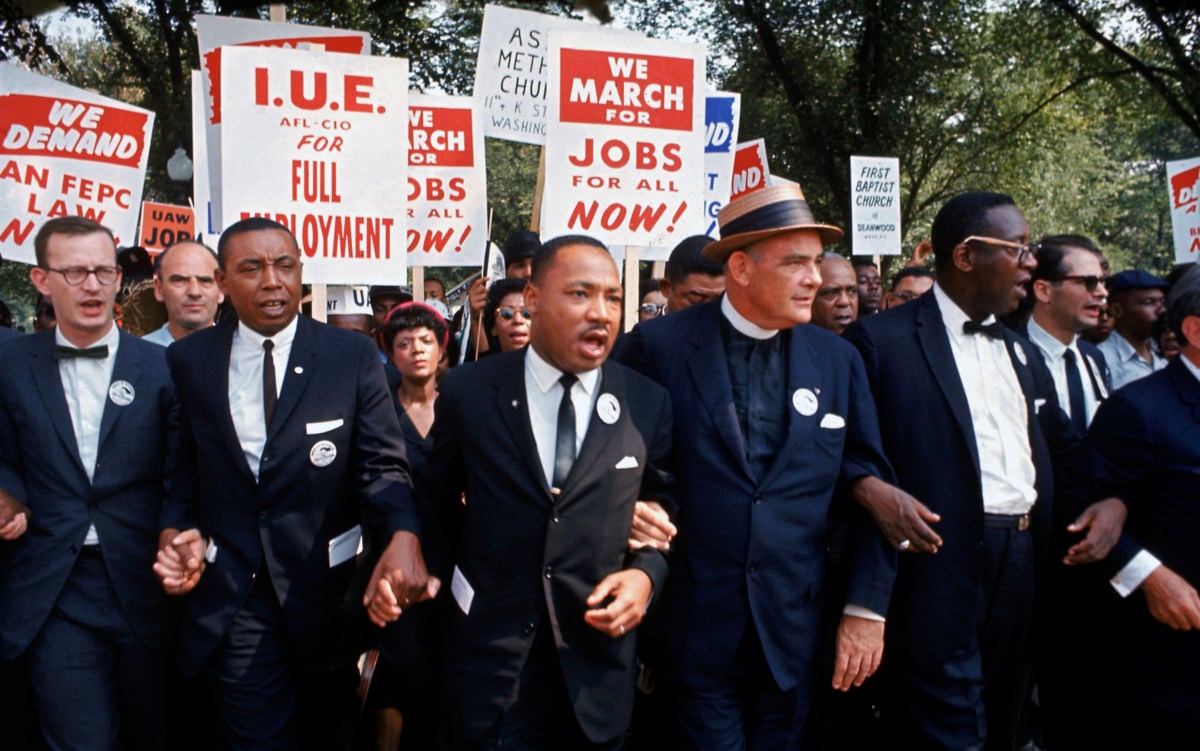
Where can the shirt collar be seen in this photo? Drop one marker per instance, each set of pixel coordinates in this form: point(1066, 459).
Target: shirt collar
point(1191, 366)
point(741, 325)
point(546, 375)
point(111, 339)
point(953, 316)
point(1124, 349)
point(1047, 342)
point(283, 338)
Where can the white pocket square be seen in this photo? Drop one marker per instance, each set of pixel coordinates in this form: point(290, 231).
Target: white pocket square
point(317, 428)
point(1037, 405)
point(832, 421)
point(628, 462)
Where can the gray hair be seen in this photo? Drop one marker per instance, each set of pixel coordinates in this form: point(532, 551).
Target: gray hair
point(1184, 302)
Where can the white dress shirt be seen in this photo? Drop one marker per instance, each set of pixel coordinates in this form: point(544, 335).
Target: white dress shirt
point(161, 336)
point(1053, 351)
point(544, 393)
point(246, 385)
point(85, 383)
point(1143, 564)
point(998, 413)
point(1124, 363)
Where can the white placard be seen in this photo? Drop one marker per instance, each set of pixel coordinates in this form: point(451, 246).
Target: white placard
point(311, 142)
point(447, 182)
point(214, 32)
point(874, 206)
point(625, 139)
point(206, 228)
point(65, 151)
point(1183, 182)
point(511, 71)
point(722, 112)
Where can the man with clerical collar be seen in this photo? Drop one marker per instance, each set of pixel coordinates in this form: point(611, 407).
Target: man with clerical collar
point(88, 432)
point(960, 623)
point(185, 283)
point(770, 417)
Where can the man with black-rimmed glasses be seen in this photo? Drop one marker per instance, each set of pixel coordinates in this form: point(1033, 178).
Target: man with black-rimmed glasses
point(88, 428)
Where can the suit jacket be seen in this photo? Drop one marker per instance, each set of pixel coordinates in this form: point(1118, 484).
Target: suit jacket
point(752, 551)
point(40, 466)
point(533, 558)
point(930, 440)
point(333, 394)
point(7, 334)
point(1146, 439)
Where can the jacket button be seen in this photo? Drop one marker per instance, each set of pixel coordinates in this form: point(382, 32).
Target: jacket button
point(758, 498)
point(549, 572)
point(554, 519)
point(528, 629)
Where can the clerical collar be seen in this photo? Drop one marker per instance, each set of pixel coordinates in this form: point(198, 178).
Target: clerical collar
point(741, 325)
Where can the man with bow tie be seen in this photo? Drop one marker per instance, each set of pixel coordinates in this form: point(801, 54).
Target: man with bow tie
point(88, 429)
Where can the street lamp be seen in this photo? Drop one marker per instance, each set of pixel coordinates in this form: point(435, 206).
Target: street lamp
point(179, 169)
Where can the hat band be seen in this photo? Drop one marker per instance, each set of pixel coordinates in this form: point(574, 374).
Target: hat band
point(773, 216)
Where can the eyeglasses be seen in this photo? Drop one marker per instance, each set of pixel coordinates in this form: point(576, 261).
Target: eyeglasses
point(651, 309)
point(77, 275)
point(1021, 252)
point(510, 313)
point(1090, 281)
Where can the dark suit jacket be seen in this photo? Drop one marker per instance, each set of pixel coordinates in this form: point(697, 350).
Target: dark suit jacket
point(531, 558)
point(7, 334)
point(1146, 439)
point(752, 551)
point(40, 466)
point(930, 440)
point(334, 391)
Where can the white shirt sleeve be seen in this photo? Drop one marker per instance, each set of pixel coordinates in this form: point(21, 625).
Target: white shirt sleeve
point(1134, 573)
point(861, 612)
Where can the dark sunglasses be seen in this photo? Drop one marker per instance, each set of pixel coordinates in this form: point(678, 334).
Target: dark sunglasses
point(510, 313)
point(1090, 282)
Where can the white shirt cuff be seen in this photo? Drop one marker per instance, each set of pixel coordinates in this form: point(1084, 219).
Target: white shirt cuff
point(1134, 573)
point(860, 612)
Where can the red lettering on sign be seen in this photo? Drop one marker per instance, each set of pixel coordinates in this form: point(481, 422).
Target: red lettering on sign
point(614, 88)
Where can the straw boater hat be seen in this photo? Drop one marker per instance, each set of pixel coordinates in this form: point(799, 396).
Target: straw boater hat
point(762, 214)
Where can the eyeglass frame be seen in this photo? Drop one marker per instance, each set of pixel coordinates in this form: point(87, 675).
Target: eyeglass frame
point(1023, 252)
point(95, 271)
point(1090, 281)
point(513, 313)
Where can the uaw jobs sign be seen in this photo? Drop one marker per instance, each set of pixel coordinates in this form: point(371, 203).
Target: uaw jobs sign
point(310, 140)
point(626, 138)
point(874, 206)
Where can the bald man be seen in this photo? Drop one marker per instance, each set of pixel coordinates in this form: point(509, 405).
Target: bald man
point(185, 282)
point(836, 304)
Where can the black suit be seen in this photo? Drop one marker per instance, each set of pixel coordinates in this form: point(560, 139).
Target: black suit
point(532, 557)
point(936, 617)
point(48, 571)
point(272, 536)
point(1146, 439)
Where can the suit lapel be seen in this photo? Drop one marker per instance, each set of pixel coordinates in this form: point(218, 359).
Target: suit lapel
point(513, 406)
point(1189, 387)
point(128, 368)
point(216, 393)
point(1019, 355)
point(710, 372)
point(296, 375)
point(50, 388)
point(935, 343)
point(802, 373)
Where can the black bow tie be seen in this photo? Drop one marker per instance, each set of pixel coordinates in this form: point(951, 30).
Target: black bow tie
point(990, 330)
point(98, 352)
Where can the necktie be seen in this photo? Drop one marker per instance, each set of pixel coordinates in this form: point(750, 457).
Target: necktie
point(92, 353)
point(1075, 393)
point(990, 330)
point(564, 442)
point(270, 394)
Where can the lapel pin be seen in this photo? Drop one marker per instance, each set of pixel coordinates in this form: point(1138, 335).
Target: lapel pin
point(608, 408)
point(1020, 353)
point(516, 403)
point(804, 402)
point(121, 393)
point(297, 370)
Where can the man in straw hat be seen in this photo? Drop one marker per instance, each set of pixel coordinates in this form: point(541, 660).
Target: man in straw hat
point(772, 417)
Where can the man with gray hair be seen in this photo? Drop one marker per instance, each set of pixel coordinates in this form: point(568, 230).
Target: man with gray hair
point(1146, 439)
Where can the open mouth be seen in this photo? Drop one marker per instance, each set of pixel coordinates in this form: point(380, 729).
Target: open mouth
point(594, 344)
point(92, 307)
point(273, 307)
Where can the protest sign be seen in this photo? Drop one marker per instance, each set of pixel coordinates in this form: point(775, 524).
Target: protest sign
point(214, 32)
point(206, 228)
point(511, 71)
point(750, 171)
point(66, 151)
point(312, 143)
point(447, 182)
point(163, 225)
point(1183, 181)
point(625, 138)
point(721, 115)
point(874, 206)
